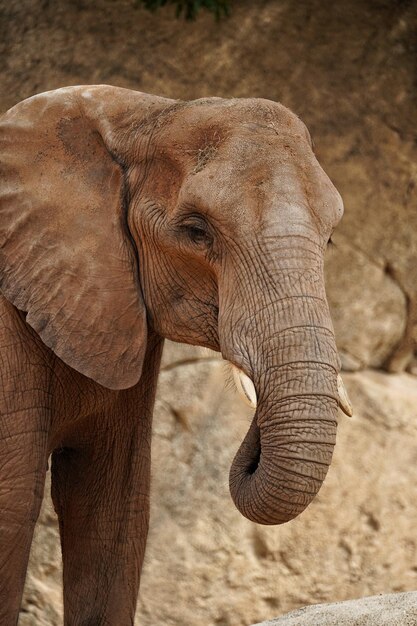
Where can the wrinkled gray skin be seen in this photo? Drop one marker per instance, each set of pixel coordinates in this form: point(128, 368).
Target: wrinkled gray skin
point(124, 219)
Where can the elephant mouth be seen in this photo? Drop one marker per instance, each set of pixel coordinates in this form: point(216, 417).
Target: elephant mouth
point(246, 389)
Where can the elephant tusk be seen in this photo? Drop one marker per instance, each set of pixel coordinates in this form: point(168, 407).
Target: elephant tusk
point(245, 387)
point(344, 401)
point(247, 390)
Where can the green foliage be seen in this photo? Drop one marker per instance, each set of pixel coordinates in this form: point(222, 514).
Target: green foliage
point(189, 8)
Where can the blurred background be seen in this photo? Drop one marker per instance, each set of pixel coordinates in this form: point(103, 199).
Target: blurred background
point(349, 70)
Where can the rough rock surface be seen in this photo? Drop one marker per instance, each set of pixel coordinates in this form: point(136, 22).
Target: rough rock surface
point(208, 566)
point(399, 609)
point(348, 69)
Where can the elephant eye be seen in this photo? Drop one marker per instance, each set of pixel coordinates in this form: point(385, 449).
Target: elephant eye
point(197, 232)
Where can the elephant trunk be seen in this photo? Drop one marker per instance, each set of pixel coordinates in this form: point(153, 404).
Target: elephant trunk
point(284, 458)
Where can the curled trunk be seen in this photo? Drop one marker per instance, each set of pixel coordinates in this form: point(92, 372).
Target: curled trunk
point(285, 455)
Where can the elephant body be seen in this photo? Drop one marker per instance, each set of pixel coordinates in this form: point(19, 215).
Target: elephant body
point(126, 219)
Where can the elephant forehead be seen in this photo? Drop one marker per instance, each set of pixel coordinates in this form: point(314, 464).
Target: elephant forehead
point(261, 176)
point(229, 112)
point(278, 195)
point(193, 125)
point(249, 159)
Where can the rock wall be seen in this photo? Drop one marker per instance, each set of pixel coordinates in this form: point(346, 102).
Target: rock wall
point(205, 564)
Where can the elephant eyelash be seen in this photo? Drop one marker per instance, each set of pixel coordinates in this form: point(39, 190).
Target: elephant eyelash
point(197, 235)
point(197, 231)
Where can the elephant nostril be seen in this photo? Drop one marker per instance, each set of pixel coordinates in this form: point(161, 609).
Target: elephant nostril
point(253, 465)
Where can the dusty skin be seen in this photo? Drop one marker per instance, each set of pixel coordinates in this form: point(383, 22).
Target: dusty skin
point(126, 219)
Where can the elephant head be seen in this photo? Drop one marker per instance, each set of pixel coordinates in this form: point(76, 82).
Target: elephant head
point(205, 222)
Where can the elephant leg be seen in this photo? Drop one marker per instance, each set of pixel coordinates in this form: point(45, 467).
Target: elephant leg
point(100, 490)
point(24, 426)
point(23, 461)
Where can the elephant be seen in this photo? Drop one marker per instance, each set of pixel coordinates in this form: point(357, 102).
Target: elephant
point(127, 219)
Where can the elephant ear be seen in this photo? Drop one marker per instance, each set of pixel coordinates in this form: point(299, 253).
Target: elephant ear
point(66, 254)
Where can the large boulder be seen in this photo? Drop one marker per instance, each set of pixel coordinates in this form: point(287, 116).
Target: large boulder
point(369, 308)
point(394, 609)
point(205, 564)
